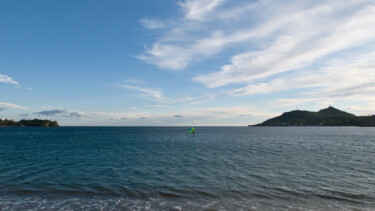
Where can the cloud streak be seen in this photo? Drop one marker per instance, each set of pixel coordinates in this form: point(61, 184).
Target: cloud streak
point(50, 112)
point(157, 96)
point(11, 105)
point(63, 112)
point(147, 91)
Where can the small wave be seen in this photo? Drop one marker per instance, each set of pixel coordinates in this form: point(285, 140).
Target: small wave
point(51, 192)
point(161, 203)
point(346, 197)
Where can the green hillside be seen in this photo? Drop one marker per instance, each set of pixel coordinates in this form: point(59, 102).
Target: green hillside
point(28, 123)
point(326, 117)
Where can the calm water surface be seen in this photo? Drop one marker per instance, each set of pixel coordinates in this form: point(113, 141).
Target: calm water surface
point(163, 168)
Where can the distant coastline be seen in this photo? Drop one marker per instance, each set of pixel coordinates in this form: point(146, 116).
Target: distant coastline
point(28, 123)
point(326, 117)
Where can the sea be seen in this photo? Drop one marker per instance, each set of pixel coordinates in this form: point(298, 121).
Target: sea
point(166, 168)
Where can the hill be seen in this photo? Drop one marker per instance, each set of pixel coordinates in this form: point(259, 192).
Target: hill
point(28, 123)
point(326, 117)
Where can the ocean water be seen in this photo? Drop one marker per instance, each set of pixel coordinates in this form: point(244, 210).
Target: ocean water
point(164, 168)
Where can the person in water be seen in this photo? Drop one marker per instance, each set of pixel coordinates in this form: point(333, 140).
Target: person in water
point(192, 130)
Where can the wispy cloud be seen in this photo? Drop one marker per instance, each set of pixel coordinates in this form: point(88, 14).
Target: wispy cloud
point(198, 9)
point(147, 91)
point(11, 105)
point(63, 112)
point(204, 30)
point(2, 109)
point(338, 78)
point(312, 37)
point(177, 116)
point(7, 79)
point(152, 23)
point(156, 95)
point(50, 112)
point(180, 43)
point(76, 114)
point(274, 46)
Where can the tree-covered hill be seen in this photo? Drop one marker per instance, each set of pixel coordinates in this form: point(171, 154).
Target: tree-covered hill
point(28, 123)
point(326, 117)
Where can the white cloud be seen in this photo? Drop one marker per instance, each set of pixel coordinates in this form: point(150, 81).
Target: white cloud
point(7, 79)
point(167, 56)
point(158, 97)
point(347, 83)
point(298, 47)
point(180, 43)
point(198, 9)
point(267, 39)
point(148, 91)
point(11, 105)
point(152, 23)
point(351, 75)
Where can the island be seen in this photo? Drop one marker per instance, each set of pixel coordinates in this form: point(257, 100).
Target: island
point(28, 123)
point(326, 117)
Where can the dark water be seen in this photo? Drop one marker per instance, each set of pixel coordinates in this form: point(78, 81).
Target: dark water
point(220, 168)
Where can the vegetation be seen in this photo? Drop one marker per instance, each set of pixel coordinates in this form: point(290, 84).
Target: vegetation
point(28, 123)
point(325, 117)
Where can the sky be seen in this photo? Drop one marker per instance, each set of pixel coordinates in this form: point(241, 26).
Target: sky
point(184, 62)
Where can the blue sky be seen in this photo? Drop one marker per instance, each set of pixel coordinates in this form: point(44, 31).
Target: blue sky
point(184, 62)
